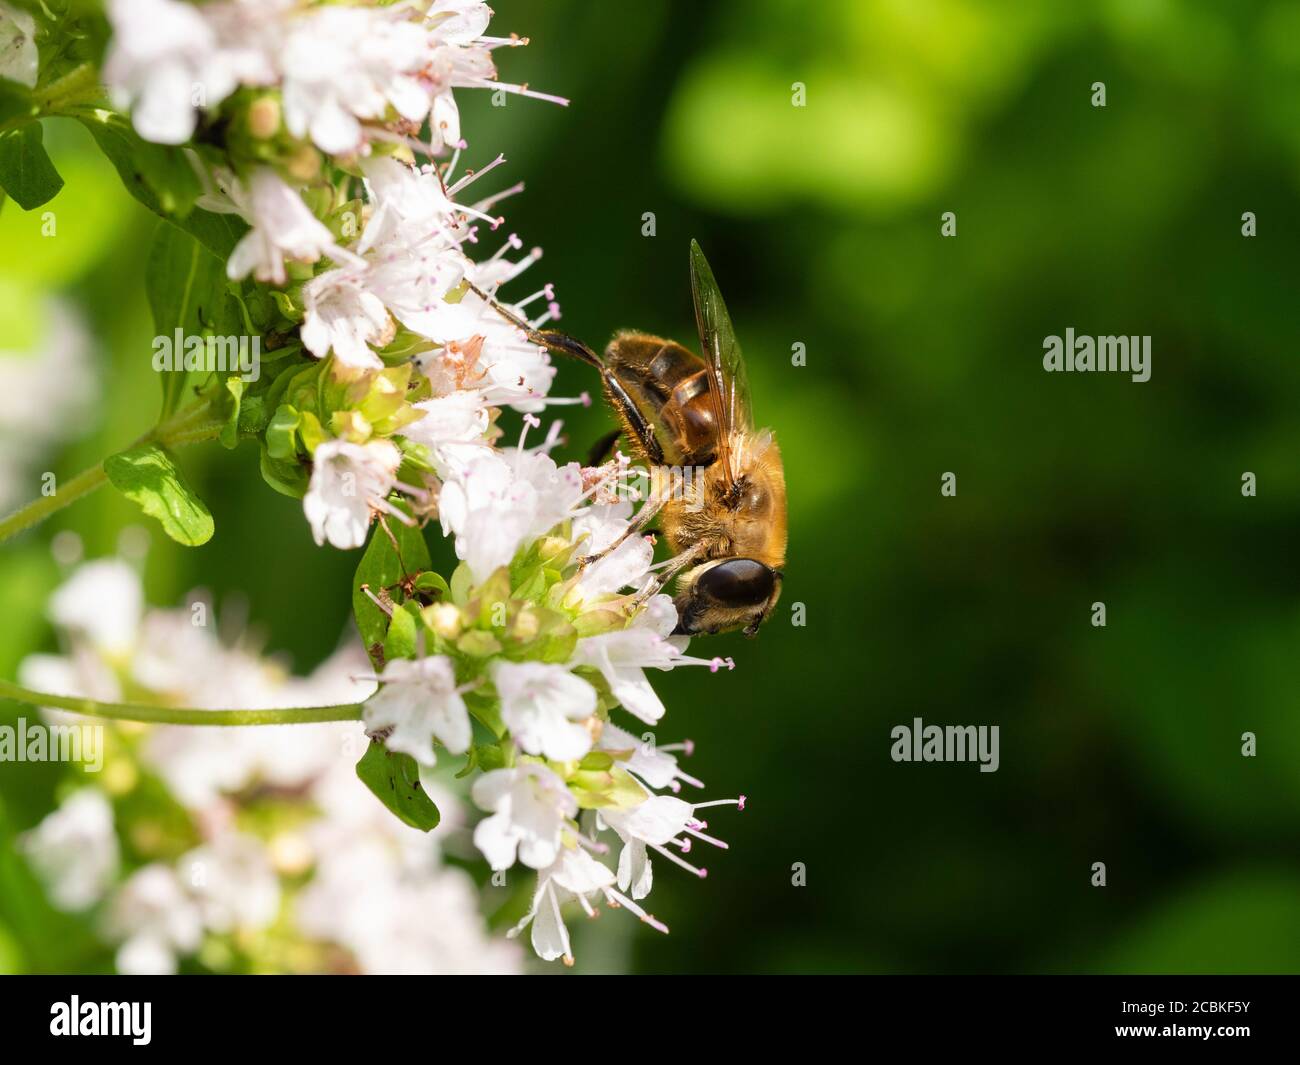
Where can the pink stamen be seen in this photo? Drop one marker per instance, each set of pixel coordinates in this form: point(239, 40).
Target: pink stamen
point(720, 844)
point(701, 873)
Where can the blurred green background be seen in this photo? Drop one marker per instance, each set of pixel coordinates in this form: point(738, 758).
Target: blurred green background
point(822, 223)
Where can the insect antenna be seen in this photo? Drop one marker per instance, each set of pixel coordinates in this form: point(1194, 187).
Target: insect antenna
point(551, 339)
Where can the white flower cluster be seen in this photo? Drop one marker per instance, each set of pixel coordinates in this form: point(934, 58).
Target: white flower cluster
point(356, 80)
point(400, 422)
point(568, 758)
point(406, 264)
point(342, 71)
point(377, 889)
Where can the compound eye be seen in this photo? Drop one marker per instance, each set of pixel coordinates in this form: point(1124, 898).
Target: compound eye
point(737, 582)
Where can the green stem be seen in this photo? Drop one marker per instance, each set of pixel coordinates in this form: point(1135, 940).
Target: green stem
point(39, 509)
point(192, 425)
point(77, 87)
point(177, 715)
point(77, 90)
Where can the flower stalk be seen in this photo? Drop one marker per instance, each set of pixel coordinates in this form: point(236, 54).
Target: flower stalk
point(193, 425)
point(176, 715)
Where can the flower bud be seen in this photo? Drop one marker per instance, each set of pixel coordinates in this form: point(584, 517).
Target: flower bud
point(444, 619)
point(264, 117)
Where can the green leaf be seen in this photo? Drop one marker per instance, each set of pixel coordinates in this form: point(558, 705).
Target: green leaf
point(381, 570)
point(484, 756)
point(486, 710)
point(161, 178)
point(229, 436)
point(289, 477)
point(26, 172)
point(403, 632)
point(15, 100)
point(432, 584)
point(281, 433)
point(462, 583)
point(252, 415)
point(187, 290)
point(395, 780)
point(148, 474)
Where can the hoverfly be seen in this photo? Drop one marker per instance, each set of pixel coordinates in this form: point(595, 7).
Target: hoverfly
point(681, 411)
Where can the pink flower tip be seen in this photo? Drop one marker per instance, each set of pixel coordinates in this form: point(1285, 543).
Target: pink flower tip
point(740, 803)
point(688, 748)
point(586, 399)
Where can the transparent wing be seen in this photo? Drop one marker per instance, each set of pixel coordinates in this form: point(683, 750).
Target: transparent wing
point(728, 385)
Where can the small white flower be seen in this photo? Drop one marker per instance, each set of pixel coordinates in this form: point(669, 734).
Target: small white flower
point(411, 242)
point(74, 850)
point(627, 566)
point(341, 315)
point(157, 920)
point(448, 423)
point(621, 657)
point(575, 875)
point(519, 371)
point(103, 601)
point(283, 228)
point(412, 277)
point(489, 518)
point(530, 807)
point(556, 489)
point(449, 67)
point(343, 64)
point(379, 891)
point(162, 54)
point(457, 21)
point(168, 60)
point(233, 883)
point(18, 58)
point(659, 615)
point(495, 503)
point(347, 482)
point(541, 704)
point(419, 701)
point(655, 766)
point(655, 823)
point(405, 201)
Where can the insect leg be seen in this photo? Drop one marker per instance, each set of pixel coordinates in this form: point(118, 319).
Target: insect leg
point(604, 447)
point(685, 560)
point(648, 510)
point(553, 340)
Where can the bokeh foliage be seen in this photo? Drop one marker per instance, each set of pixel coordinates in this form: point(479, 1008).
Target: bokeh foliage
point(1119, 744)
